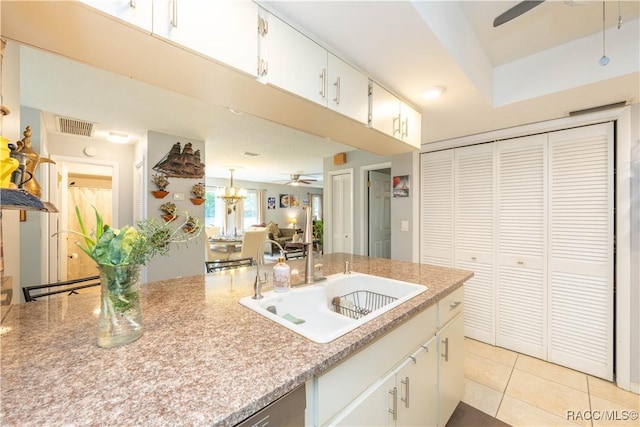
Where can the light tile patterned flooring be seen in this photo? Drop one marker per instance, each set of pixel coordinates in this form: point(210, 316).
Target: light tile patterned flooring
point(524, 391)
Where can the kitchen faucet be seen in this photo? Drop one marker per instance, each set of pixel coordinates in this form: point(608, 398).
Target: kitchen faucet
point(257, 284)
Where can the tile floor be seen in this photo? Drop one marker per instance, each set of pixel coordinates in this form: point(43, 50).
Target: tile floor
point(524, 391)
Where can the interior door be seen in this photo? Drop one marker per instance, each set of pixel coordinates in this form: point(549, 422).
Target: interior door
point(380, 214)
point(581, 242)
point(342, 212)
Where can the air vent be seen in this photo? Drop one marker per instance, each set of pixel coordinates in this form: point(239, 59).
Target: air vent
point(74, 126)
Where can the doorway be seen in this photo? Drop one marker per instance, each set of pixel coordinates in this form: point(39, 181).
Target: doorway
point(84, 183)
point(379, 213)
point(375, 217)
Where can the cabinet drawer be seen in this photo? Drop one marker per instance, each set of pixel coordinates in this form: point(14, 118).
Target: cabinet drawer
point(450, 306)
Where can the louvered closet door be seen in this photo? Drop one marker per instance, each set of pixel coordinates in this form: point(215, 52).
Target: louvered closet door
point(581, 249)
point(521, 294)
point(475, 236)
point(436, 194)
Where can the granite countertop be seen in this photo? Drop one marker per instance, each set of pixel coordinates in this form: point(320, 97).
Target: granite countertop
point(204, 359)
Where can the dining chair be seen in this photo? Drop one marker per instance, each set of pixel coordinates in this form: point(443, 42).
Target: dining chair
point(251, 241)
point(212, 254)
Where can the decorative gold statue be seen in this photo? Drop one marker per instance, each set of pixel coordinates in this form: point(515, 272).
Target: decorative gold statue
point(33, 161)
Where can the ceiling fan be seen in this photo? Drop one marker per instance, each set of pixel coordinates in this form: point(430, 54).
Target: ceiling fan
point(296, 180)
point(517, 10)
point(523, 7)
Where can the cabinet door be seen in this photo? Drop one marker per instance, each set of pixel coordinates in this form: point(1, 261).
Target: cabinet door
point(375, 407)
point(347, 90)
point(475, 236)
point(522, 213)
point(223, 30)
point(417, 387)
point(135, 12)
point(385, 111)
point(451, 368)
point(436, 219)
point(410, 125)
point(295, 62)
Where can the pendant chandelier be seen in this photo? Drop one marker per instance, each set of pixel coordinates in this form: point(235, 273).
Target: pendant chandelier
point(231, 195)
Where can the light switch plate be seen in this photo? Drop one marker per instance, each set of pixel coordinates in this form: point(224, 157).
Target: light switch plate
point(178, 196)
point(404, 225)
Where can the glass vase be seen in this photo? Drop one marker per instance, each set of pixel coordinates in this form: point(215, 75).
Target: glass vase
point(120, 321)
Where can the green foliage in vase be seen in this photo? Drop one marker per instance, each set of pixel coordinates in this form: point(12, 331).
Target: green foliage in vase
point(133, 245)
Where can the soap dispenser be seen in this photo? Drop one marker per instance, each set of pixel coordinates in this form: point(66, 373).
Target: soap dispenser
point(281, 276)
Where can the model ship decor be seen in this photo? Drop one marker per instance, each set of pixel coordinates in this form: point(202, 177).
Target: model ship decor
point(181, 163)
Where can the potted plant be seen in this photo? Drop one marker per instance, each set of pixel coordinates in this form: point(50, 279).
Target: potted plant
point(198, 190)
point(161, 181)
point(169, 210)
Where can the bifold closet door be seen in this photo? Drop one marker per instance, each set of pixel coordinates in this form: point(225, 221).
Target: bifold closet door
point(581, 249)
point(521, 285)
point(436, 223)
point(474, 231)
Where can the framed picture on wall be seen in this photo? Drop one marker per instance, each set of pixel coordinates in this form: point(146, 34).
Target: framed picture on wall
point(289, 201)
point(401, 186)
point(271, 202)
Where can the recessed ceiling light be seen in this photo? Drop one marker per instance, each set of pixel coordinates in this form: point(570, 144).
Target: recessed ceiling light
point(434, 92)
point(118, 138)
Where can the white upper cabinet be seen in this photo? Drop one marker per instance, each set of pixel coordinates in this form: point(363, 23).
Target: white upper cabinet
point(394, 117)
point(135, 12)
point(223, 30)
point(294, 62)
point(297, 64)
point(348, 89)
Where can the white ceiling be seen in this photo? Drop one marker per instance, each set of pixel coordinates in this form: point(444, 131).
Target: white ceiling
point(539, 66)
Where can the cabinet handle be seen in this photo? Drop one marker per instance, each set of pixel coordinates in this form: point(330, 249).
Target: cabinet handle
point(263, 27)
point(405, 399)
point(454, 304)
point(520, 262)
point(174, 13)
point(263, 67)
point(396, 129)
point(425, 348)
point(323, 79)
point(394, 403)
point(337, 85)
point(132, 4)
point(405, 128)
point(446, 349)
point(473, 258)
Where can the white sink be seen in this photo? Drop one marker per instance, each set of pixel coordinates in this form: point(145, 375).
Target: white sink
point(308, 310)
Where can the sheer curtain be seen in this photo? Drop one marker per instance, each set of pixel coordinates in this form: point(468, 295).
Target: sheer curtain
point(85, 197)
point(260, 205)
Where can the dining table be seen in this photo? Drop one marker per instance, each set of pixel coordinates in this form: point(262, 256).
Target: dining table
point(230, 243)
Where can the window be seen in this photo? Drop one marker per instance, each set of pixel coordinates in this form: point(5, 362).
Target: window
point(250, 211)
point(214, 210)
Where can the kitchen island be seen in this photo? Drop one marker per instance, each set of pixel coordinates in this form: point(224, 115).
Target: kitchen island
point(204, 359)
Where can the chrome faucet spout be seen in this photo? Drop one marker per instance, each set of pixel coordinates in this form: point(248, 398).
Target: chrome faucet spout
point(257, 284)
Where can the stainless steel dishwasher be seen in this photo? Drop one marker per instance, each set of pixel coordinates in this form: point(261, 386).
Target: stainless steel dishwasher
point(288, 411)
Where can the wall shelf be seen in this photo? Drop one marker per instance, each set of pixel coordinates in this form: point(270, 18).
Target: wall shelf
point(22, 200)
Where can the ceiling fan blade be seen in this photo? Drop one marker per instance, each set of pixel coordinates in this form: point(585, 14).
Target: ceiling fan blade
point(515, 11)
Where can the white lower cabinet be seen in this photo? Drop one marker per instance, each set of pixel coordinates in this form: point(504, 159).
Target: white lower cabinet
point(412, 376)
point(450, 367)
point(406, 397)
